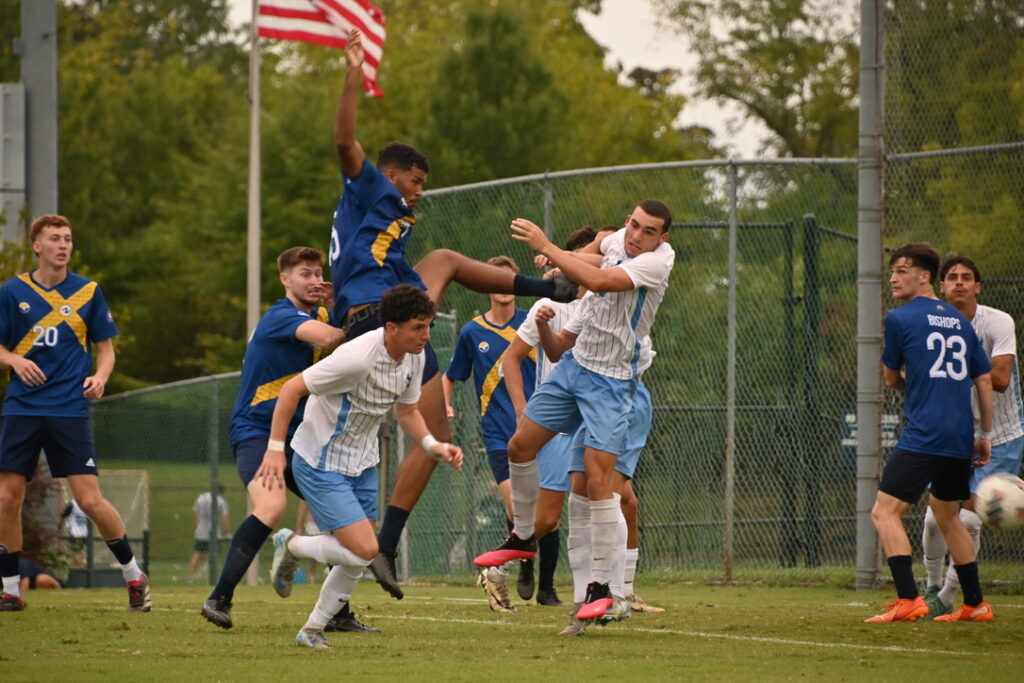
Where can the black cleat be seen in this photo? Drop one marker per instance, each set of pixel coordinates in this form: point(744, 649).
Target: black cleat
point(524, 586)
point(383, 568)
point(548, 597)
point(218, 611)
point(345, 622)
point(565, 289)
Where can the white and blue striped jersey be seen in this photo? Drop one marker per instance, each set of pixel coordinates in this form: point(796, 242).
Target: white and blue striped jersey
point(352, 390)
point(996, 332)
point(528, 331)
point(613, 324)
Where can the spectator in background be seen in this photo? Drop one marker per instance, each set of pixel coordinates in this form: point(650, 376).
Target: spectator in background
point(203, 516)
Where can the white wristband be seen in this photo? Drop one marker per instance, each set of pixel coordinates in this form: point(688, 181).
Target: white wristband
point(275, 445)
point(985, 435)
point(428, 443)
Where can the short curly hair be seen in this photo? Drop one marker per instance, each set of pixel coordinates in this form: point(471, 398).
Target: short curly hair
point(402, 303)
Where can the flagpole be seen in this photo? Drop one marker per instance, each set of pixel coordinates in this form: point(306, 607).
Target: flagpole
point(253, 232)
point(252, 249)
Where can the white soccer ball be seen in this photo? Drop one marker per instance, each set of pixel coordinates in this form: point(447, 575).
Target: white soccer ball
point(1000, 501)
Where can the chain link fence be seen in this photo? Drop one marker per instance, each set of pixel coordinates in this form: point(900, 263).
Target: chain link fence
point(749, 473)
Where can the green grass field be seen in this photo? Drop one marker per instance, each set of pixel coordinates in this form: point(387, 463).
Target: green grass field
point(443, 632)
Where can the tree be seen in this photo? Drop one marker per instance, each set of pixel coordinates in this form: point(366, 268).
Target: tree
point(791, 64)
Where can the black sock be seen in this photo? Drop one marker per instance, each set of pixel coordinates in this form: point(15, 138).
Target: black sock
point(549, 546)
point(969, 583)
point(344, 612)
point(391, 529)
point(9, 562)
point(247, 541)
point(122, 551)
point(525, 285)
point(510, 524)
point(902, 569)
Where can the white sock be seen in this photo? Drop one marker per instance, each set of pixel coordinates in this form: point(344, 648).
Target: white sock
point(632, 558)
point(499, 574)
point(951, 587)
point(617, 583)
point(525, 480)
point(334, 593)
point(578, 545)
point(12, 585)
point(131, 571)
point(604, 518)
point(935, 549)
point(326, 549)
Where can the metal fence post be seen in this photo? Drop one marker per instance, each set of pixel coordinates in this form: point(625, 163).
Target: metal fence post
point(213, 555)
point(730, 378)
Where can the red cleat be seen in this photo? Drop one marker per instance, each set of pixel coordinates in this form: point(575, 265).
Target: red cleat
point(513, 548)
point(597, 602)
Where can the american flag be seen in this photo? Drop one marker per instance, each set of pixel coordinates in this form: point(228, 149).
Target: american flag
point(328, 22)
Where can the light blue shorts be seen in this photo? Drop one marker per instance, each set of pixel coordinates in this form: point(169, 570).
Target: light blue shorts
point(572, 395)
point(553, 461)
point(636, 437)
point(1006, 457)
point(336, 500)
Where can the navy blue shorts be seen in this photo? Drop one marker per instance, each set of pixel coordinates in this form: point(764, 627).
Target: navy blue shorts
point(248, 454)
point(498, 460)
point(372, 322)
point(67, 442)
point(907, 474)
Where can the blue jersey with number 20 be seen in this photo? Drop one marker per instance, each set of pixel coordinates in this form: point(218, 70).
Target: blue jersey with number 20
point(942, 356)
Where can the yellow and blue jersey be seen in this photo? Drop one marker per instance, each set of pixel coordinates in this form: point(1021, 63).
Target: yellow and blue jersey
point(942, 356)
point(372, 226)
point(479, 351)
point(54, 328)
point(272, 357)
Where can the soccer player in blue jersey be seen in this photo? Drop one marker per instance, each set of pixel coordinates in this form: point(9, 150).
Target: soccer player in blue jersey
point(50, 320)
point(960, 282)
point(373, 223)
point(289, 338)
point(941, 359)
point(479, 351)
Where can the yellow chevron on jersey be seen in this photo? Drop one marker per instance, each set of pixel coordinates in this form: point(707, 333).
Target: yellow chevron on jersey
point(494, 376)
point(379, 250)
point(270, 390)
point(322, 316)
point(64, 311)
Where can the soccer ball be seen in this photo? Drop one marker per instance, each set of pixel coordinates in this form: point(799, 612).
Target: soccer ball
point(1000, 501)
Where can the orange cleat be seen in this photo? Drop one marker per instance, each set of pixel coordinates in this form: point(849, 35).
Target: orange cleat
point(980, 612)
point(901, 610)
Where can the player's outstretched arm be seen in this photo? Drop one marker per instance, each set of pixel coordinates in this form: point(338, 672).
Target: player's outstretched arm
point(411, 421)
point(320, 335)
point(350, 152)
point(578, 270)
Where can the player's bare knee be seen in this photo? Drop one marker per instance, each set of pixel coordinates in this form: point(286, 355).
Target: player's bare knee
point(93, 505)
point(366, 549)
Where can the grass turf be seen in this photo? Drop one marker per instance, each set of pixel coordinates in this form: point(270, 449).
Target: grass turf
point(440, 632)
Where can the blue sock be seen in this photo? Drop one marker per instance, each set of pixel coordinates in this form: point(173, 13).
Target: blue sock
point(525, 285)
point(391, 529)
point(247, 541)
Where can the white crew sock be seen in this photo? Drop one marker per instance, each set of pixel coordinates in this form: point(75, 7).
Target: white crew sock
point(131, 571)
point(325, 549)
point(578, 545)
point(12, 585)
point(618, 580)
point(951, 587)
point(335, 592)
point(499, 574)
point(604, 518)
point(632, 558)
point(525, 480)
point(935, 549)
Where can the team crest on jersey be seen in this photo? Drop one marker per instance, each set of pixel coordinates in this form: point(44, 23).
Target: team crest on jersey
point(408, 379)
point(24, 307)
point(65, 310)
point(484, 347)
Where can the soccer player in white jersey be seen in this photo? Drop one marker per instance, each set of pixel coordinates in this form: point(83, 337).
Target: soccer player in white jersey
point(595, 384)
point(960, 283)
point(336, 453)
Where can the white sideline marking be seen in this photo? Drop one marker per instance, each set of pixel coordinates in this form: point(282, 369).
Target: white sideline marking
point(702, 634)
